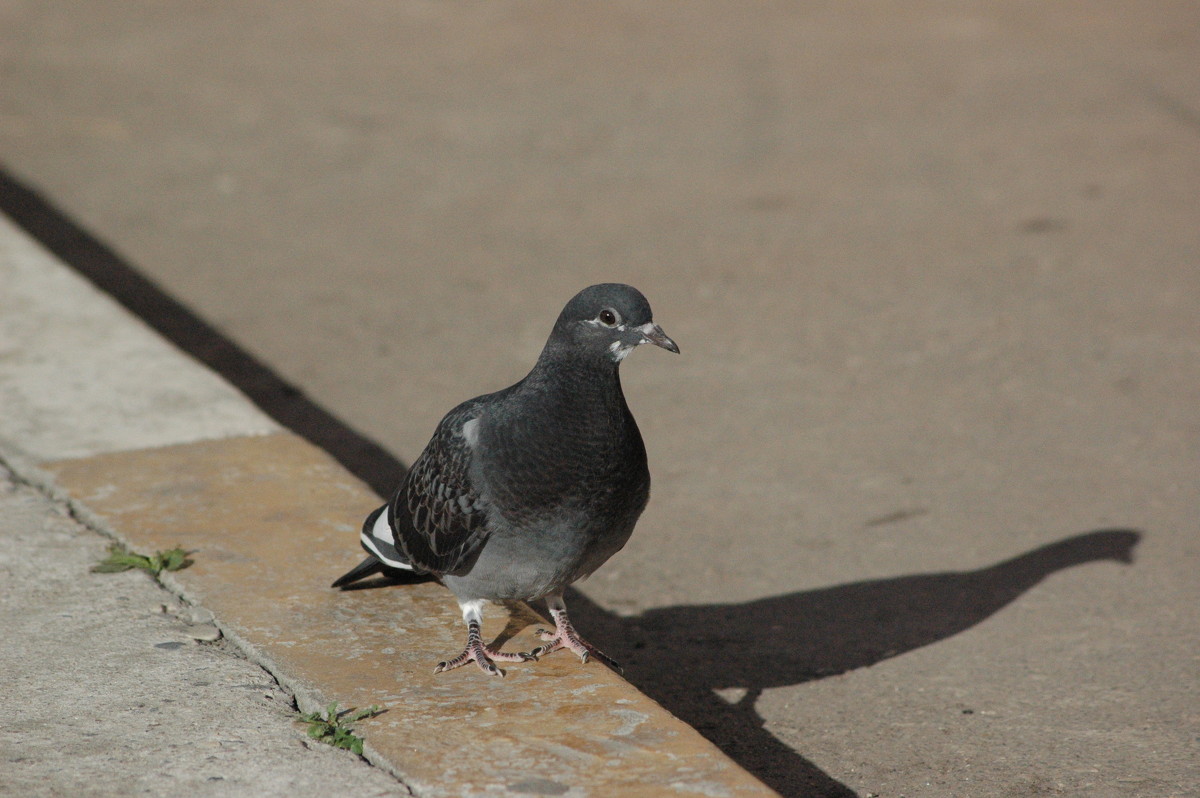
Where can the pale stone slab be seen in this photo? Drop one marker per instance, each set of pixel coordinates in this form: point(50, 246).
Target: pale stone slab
point(79, 375)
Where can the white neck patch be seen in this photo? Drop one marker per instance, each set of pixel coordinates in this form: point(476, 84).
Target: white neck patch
point(619, 350)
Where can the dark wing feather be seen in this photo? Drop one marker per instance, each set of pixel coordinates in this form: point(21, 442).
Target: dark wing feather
point(438, 515)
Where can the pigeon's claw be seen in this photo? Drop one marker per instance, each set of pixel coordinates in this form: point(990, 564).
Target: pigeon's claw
point(481, 655)
point(565, 636)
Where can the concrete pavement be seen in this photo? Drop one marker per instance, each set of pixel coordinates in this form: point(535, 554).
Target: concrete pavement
point(107, 692)
point(933, 268)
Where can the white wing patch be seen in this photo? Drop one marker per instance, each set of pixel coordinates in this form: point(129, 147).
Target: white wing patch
point(383, 530)
point(470, 431)
point(381, 534)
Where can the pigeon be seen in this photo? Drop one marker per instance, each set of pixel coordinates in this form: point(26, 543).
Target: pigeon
point(522, 492)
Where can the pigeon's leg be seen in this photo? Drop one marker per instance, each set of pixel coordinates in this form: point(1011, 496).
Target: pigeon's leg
point(565, 636)
point(476, 651)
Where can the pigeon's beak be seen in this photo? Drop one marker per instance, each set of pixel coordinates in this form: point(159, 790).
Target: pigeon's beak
point(653, 334)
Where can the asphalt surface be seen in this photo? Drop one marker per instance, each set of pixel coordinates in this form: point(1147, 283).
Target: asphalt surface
point(925, 510)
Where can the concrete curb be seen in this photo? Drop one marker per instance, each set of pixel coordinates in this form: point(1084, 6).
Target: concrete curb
point(153, 448)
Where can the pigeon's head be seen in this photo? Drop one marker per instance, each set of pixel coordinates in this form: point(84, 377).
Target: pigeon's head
point(609, 320)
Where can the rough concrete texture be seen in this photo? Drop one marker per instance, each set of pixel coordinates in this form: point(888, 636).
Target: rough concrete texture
point(105, 692)
point(267, 519)
point(79, 376)
point(932, 265)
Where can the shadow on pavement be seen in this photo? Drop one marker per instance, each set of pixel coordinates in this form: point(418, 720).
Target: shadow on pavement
point(278, 398)
point(798, 637)
point(756, 645)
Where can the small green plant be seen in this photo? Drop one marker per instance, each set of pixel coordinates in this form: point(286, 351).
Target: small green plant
point(122, 559)
point(333, 728)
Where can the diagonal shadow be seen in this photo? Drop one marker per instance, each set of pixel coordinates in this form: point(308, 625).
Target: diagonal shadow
point(277, 397)
point(829, 631)
point(798, 637)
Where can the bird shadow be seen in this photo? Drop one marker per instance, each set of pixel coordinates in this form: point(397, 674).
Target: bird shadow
point(798, 637)
point(739, 645)
point(789, 639)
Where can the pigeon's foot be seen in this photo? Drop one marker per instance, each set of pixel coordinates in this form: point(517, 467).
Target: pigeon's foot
point(481, 655)
point(565, 636)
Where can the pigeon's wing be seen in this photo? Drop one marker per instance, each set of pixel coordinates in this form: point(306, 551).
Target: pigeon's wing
point(438, 515)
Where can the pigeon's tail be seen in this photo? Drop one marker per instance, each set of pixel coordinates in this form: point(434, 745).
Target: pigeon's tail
point(379, 540)
point(364, 569)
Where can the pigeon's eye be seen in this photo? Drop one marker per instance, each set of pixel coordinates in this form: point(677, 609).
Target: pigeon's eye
point(608, 317)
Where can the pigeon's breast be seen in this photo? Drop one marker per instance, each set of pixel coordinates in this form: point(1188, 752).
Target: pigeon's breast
point(537, 467)
point(564, 496)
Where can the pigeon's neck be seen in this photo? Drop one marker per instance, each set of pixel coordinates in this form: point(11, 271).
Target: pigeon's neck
point(577, 376)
